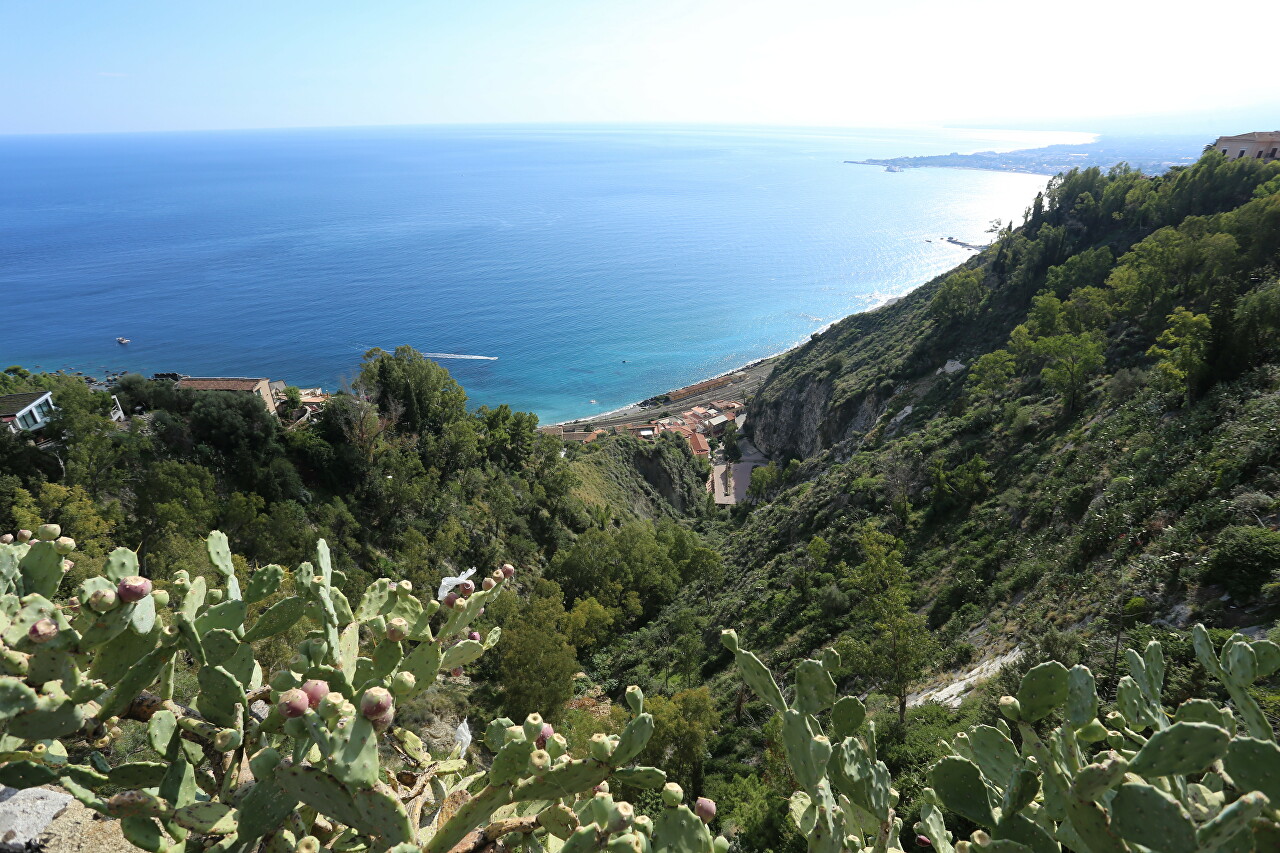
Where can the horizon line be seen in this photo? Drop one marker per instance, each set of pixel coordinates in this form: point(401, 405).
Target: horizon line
point(563, 123)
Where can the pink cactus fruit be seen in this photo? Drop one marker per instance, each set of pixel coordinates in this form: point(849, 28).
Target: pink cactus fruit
point(293, 703)
point(375, 702)
point(133, 588)
point(42, 631)
point(315, 690)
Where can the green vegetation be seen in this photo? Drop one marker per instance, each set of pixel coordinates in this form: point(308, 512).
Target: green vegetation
point(1061, 451)
point(304, 759)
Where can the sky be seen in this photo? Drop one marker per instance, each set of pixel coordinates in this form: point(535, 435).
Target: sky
point(73, 66)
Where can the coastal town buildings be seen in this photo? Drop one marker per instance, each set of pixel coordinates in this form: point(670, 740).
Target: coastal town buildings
point(1263, 145)
point(696, 426)
point(27, 412)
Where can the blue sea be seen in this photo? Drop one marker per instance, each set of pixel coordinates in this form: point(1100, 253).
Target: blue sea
point(595, 263)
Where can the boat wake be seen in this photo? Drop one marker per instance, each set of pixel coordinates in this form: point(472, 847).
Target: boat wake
point(456, 355)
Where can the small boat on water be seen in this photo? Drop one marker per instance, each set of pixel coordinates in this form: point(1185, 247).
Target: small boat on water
point(122, 340)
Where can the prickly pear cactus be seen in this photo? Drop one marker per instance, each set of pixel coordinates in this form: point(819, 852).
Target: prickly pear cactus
point(846, 800)
point(1142, 778)
point(290, 760)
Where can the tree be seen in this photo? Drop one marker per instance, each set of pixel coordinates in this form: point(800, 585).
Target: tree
point(1243, 560)
point(762, 481)
point(959, 296)
point(1183, 349)
point(1069, 362)
point(989, 376)
point(1257, 322)
point(732, 452)
point(536, 664)
point(1045, 317)
point(588, 623)
point(1088, 308)
point(682, 727)
point(425, 395)
point(899, 647)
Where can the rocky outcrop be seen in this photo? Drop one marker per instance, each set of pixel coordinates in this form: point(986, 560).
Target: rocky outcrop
point(799, 420)
point(788, 423)
point(668, 469)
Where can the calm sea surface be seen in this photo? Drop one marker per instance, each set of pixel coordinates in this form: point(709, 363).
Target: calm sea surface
point(596, 264)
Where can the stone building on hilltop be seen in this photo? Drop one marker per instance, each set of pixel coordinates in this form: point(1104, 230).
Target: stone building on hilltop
point(1263, 145)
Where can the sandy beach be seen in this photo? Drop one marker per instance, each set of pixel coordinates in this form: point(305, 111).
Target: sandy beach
point(742, 383)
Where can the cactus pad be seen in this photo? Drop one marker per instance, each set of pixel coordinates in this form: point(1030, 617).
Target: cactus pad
point(958, 784)
point(1148, 816)
point(1044, 689)
point(1182, 749)
point(1254, 765)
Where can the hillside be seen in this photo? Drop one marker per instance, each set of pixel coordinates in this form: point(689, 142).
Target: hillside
point(1066, 447)
point(1066, 439)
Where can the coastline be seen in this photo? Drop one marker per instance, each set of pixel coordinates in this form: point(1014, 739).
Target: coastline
point(754, 374)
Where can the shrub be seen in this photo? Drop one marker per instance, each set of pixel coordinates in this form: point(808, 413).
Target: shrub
point(1243, 560)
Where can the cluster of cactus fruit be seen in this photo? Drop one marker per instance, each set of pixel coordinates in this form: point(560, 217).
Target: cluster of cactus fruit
point(292, 760)
point(1200, 777)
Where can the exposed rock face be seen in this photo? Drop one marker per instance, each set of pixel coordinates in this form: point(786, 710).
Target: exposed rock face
point(799, 419)
point(668, 472)
point(789, 422)
point(956, 687)
point(24, 816)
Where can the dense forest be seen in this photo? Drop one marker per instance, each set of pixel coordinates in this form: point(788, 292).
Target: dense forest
point(1063, 449)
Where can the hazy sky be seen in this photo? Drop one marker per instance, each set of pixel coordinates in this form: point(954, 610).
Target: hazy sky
point(113, 65)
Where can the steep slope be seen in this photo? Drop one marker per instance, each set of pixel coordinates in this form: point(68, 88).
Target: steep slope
point(835, 386)
point(627, 478)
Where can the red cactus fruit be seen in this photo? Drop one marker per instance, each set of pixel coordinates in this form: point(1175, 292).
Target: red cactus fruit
point(705, 809)
point(133, 588)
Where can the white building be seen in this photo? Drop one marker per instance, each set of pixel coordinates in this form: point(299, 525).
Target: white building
point(26, 412)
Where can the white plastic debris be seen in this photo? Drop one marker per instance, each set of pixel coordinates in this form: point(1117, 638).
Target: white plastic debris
point(463, 734)
point(449, 583)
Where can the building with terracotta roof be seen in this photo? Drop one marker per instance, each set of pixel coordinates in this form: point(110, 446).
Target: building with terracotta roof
point(698, 444)
point(242, 384)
